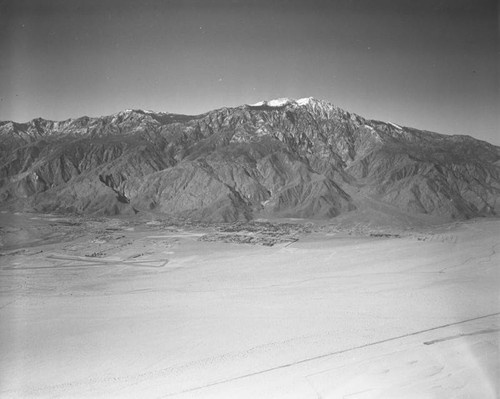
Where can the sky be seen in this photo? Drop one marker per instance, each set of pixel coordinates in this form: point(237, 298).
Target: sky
point(426, 64)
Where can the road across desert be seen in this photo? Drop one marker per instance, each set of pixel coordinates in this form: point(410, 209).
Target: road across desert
point(121, 311)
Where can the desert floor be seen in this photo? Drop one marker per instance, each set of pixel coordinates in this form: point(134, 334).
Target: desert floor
point(117, 308)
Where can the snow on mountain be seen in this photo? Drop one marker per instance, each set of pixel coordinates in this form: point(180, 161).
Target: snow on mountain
point(258, 104)
point(396, 126)
point(304, 101)
point(278, 102)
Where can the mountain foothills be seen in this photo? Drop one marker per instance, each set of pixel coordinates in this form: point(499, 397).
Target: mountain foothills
point(281, 158)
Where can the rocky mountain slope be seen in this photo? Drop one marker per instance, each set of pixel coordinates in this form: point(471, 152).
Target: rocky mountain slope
point(280, 158)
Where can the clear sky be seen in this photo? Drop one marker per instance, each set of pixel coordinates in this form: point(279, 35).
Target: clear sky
point(427, 64)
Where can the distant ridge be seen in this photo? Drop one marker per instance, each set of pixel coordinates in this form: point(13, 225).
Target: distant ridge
point(301, 158)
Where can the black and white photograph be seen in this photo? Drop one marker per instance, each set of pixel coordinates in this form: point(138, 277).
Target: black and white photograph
point(250, 199)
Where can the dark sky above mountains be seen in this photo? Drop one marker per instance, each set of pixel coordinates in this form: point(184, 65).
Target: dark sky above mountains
point(427, 64)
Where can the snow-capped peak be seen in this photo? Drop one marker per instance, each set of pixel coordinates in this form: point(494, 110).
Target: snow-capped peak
point(144, 111)
point(304, 101)
point(278, 102)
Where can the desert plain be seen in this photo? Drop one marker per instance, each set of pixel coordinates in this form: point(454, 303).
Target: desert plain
point(144, 307)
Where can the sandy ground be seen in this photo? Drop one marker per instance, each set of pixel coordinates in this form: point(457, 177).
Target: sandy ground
point(113, 310)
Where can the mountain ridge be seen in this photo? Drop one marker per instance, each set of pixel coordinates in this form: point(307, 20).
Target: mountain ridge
point(277, 158)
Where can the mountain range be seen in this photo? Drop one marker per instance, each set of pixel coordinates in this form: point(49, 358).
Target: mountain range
point(289, 158)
